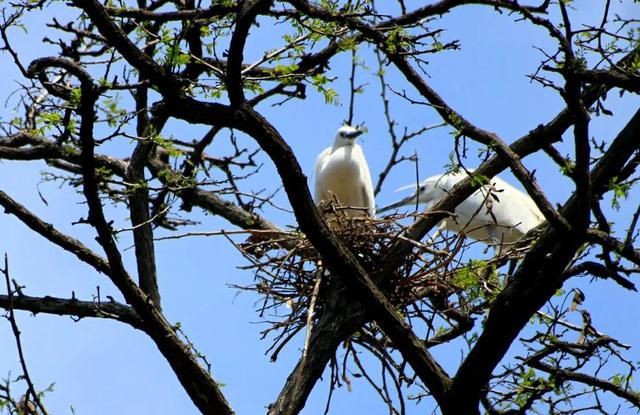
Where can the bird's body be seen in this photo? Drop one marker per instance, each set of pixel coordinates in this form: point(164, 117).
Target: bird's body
point(342, 174)
point(497, 213)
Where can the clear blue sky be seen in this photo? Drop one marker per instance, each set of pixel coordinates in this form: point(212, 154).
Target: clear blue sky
point(102, 367)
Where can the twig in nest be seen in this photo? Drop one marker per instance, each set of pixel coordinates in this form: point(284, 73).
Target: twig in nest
point(312, 309)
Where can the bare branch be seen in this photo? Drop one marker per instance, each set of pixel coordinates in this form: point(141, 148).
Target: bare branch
point(76, 308)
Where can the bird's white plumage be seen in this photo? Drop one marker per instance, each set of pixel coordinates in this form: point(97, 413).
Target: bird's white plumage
point(499, 213)
point(342, 173)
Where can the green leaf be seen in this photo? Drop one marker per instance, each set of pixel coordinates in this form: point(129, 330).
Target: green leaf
point(620, 191)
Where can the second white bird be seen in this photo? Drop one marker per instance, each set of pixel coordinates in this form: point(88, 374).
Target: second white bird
point(494, 214)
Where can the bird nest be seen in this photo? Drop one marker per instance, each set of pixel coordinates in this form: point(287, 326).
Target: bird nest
point(436, 282)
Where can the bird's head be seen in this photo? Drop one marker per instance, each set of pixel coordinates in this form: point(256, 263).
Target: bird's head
point(420, 195)
point(346, 136)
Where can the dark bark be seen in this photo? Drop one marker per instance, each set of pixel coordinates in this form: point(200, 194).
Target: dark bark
point(75, 308)
point(340, 318)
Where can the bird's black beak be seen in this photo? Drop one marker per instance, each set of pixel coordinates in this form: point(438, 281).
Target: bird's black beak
point(407, 201)
point(354, 134)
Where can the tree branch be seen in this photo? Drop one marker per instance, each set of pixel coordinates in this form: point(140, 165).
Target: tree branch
point(200, 386)
point(340, 260)
point(117, 38)
point(167, 16)
point(245, 18)
point(613, 78)
point(138, 197)
point(73, 307)
point(535, 281)
point(52, 234)
point(563, 375)
point(340, 318)
point(31, 390)
point(625, 250)
point(599, 270)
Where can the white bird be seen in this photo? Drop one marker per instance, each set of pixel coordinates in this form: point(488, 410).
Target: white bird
point(342, 174)
point(494, 214)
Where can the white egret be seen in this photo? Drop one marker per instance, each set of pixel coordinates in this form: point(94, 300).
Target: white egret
point(342, 174)
point(494, 214)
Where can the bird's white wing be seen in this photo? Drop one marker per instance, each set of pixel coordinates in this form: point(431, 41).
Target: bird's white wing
point(471, 214)
point(436, 188)
point(321, 161)
point(516, 207)
point(367, 184)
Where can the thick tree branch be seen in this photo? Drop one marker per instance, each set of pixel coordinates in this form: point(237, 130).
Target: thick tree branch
point(246, 16)
point(444, 6)
point(41, 148)
point(138, 197)
point(572, 94)
point(456, 120)
point(99, 16)
point(340, 261)
point(340, 318)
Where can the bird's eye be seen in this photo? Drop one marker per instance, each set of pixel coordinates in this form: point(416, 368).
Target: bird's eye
point(421, 188)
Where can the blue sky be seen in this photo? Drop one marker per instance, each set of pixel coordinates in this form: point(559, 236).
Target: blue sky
point(102, 367)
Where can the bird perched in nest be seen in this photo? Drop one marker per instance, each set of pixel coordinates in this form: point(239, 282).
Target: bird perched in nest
point(342, 176)
point(494, 214)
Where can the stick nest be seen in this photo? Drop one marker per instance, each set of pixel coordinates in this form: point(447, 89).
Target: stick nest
point(291, 279)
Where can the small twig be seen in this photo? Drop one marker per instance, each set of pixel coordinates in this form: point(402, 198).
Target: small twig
point(223, 233)
point(16, 334)
point(139, 225)
point(352, 87)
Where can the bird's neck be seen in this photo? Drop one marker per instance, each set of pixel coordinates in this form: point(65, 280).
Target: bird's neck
point(341, 143)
